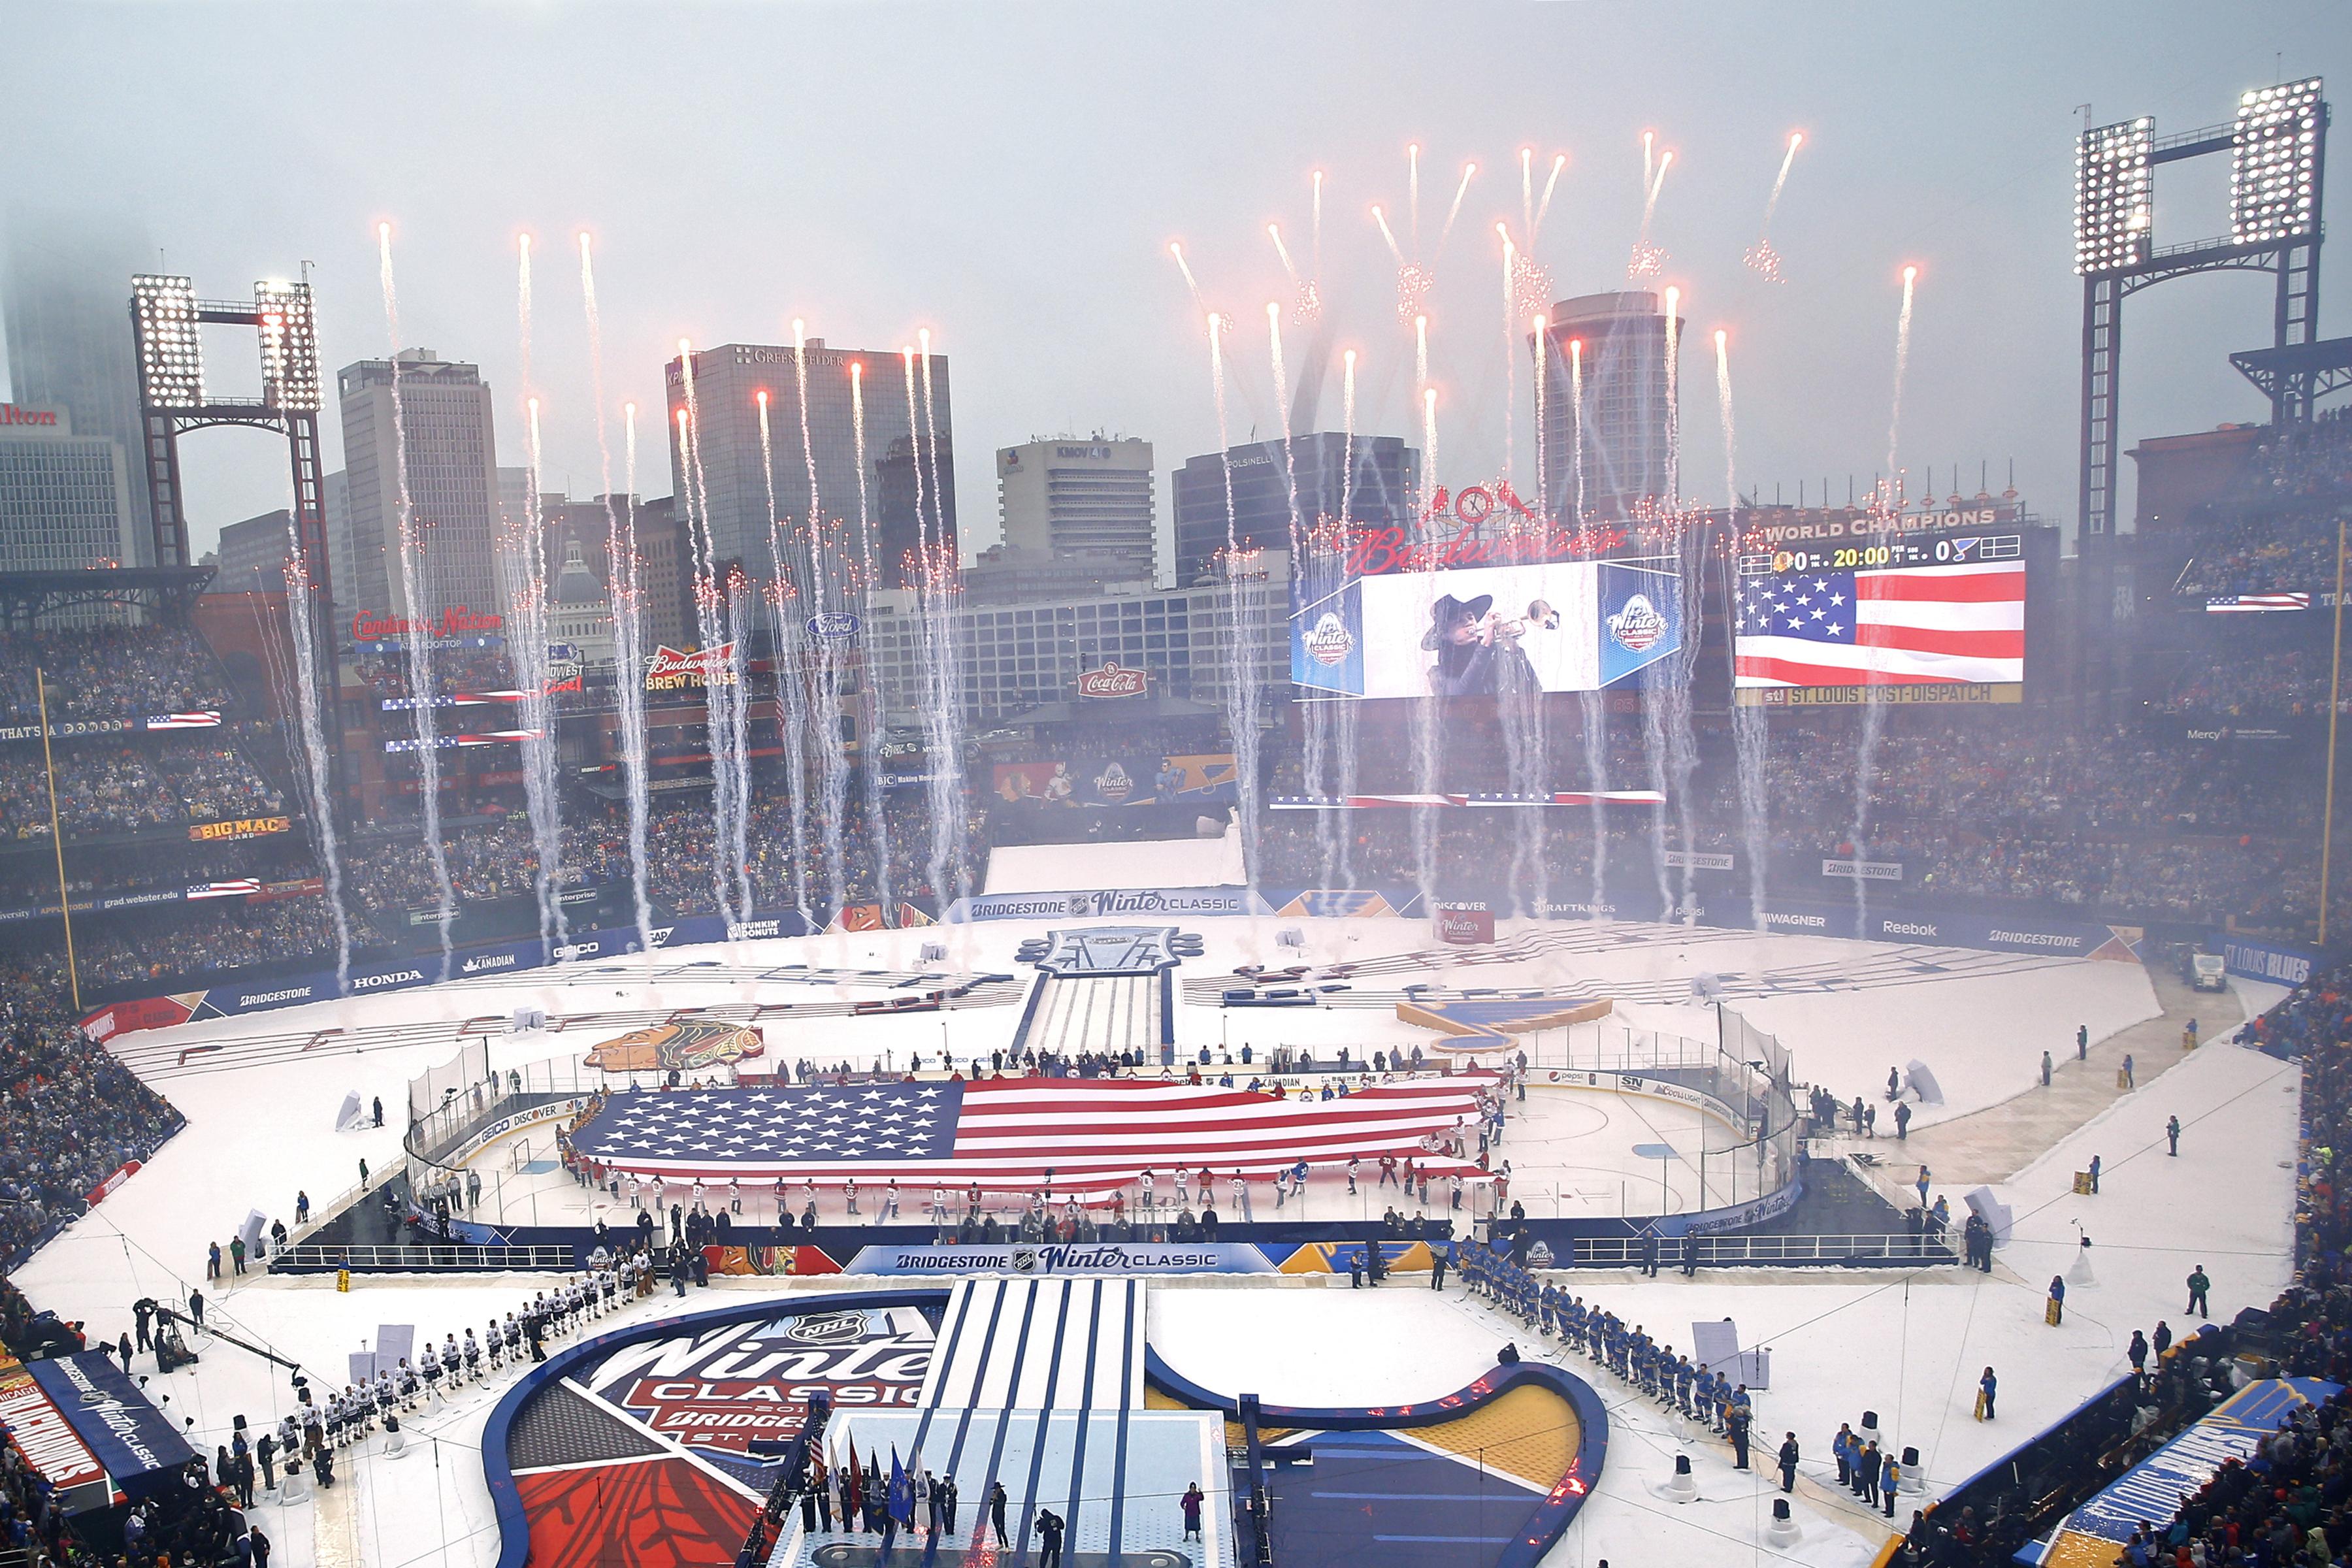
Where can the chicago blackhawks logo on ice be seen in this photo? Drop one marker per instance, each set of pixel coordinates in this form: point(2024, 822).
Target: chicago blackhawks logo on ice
point(684, 1046)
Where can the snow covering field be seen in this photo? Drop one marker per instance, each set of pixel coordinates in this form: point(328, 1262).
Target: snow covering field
point(261, 1111)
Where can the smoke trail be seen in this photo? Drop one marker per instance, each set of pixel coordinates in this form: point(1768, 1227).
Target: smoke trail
point(1595, 716)
point(621, 588)
point(1558, 163)
point(1902, 367)
point(710, 613)
point(1682, 744)
point(870, 753)
point(1381, 219)
point(418, 638)
point(1751, 741)
point(1454, 212)
point(737, 700)
point(1647, 259)
point(526, 568)
point(1426, 712)
point(1315, 232)
point(1510, 349)
point(1345, 739)
point(1412, 193)
point(1873, 704)
point(305, 681)
point(827, 648)
point(522, 561)
point(301, 608)
point(1761, 257)
point(948, 829)
point(628, 626)
point(791, 690)
point(1301, 544)
point(1177, 251)
point(1241, 669)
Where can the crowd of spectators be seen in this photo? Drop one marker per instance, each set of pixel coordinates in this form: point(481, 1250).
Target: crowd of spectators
point(2283, 685)
point(2289, 1503)
point(2289, 552)
point(104, 787)
point(109, 672)
point(70, 1116)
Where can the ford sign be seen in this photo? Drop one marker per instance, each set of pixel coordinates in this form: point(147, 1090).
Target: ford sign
point(834, 626)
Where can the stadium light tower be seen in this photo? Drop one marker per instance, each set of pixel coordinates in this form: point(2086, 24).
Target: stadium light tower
point(166, 322)
point(2276, 145)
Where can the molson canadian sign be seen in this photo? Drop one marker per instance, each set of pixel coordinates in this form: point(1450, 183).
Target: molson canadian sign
point(668, 669)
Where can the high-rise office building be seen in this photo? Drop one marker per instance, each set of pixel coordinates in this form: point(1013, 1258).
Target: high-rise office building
point(1081, 502)
point(1626, 429)
point(1381, 492)
point(908, 454)
point(665, 575)
point(451, 462)
point(70, 343)
point(64, 497)
point(253, 555)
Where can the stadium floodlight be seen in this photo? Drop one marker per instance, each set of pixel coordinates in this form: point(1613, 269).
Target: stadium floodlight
point(170, 349)
point(2114, 197)
point(2274, 164)
point(289, 346)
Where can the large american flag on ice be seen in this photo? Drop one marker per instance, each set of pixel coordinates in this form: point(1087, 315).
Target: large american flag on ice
point(1005, 1133)
point(1919, 624)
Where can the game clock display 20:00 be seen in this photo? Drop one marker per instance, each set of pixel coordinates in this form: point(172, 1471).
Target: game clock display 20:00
point(1948, 550)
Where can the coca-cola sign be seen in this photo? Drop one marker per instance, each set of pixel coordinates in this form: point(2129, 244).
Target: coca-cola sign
point(1114, 680)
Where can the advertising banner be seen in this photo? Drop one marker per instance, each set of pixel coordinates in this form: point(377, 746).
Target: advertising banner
point(1064, 1258)
point(242, 827)
point(1863, 870)
point(1204, 778)
point(1465, 925)
point(1573, 625)
point(1110, 903)
point(38, 1430)
point(67, 729)
point(2095, 1534)
point(2281, 964)
point(138, 1443)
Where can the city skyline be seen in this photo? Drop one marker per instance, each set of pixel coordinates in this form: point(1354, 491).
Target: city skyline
point(1056, 296)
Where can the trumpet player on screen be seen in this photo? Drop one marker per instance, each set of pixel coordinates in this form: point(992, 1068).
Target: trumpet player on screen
point(1477, 650)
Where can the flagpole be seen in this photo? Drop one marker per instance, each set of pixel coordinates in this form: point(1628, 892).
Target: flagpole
point(65, 900)
point(2335, 694)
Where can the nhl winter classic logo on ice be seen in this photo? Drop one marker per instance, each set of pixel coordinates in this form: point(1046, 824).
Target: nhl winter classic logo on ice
point(1330, 642)
point(1638, 627)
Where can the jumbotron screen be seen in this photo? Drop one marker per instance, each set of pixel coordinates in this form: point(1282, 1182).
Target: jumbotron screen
point(1916, 619)
point(1571, 626)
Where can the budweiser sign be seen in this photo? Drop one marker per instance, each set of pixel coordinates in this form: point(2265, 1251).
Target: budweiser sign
point(1114, 680)
point(457, 621)
point(668, 669)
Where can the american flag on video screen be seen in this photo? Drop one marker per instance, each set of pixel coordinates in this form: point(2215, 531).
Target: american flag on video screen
point(1917, 626)
point(1094, 1134)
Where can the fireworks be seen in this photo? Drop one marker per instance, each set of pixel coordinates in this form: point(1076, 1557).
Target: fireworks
point(1761, 258)
point(1647, 259)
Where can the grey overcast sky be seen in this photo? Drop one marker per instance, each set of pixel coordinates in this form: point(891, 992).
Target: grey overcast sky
point(1010, 175)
